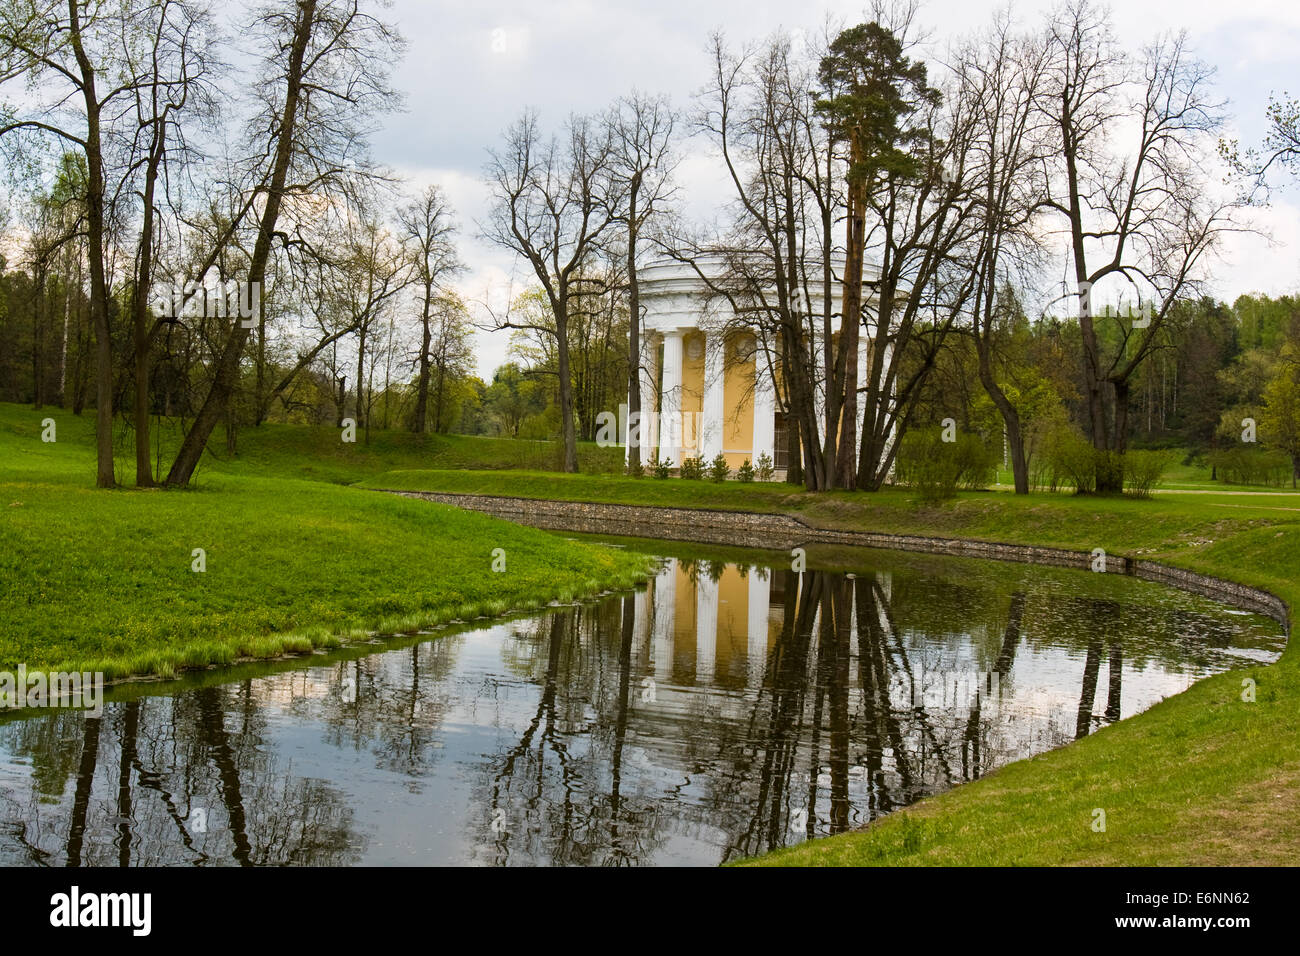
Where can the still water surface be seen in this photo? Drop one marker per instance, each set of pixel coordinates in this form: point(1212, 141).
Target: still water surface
point(729, 708)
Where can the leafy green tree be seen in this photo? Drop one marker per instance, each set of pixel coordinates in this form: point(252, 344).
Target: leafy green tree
point(870, 89)
point(1280, 418)
point(512, 398)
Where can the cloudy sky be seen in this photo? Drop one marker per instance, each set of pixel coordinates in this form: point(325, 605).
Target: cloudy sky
point(470, 69)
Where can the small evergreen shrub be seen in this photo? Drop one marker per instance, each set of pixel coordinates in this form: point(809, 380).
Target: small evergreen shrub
point(719, 470)
point(692, 469)
point(745, 473)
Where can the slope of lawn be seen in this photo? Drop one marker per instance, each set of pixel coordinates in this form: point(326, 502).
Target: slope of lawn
point(318, 453)
point(103, 581)
point(1204, 777)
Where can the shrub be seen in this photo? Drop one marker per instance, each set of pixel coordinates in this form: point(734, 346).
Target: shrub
point(661, 467)
point(1072, 461)
point(1109, 465)
point(926, 463)
point(937, 468)
point(976, 462)
point(765, 470)
point(1250, 465)
point(745, 472)
point(692, 469)
point(719, 470)
point(1143, 470)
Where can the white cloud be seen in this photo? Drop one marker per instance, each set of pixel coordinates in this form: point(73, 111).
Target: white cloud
point(466, 82)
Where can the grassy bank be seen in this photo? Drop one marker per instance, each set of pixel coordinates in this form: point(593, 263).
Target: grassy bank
point(1202, 778)
point(104, 581)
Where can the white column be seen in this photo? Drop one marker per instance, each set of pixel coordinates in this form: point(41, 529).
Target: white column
point(764, 410)
point(640, 625)
point(665, 606)
point(706, 628)
point(714, 406)
point(818, 385)
point(760, 591)
point(864, 347)
point(893, 432)
point(670, 406)
point(649, 391)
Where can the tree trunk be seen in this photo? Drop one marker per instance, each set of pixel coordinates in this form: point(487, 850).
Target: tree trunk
point(850, 323)
point(635, 425)
point(361, 373)
point(422, 389)
point(566, 389)
point(38, 337)
point(95, 241)
point(1110, 470)
point(141, 338)
point(227, 371)
point(1010, 417)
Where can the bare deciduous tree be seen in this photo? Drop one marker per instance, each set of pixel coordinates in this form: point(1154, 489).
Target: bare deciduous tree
point(325, 82)
point(428, 226)
point(553, 200)
point(643, 165)
point(1132, 140)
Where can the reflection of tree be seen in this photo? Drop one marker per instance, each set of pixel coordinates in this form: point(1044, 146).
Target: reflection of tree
point(882, 728)
point(85, 782)
point(594, 756)
point(1116, 672)
point(782, 700)
point(1103, 622)
point(618, 855)
point(1091, 664)
point(130, 730)
point(166, 780)
point(544, 802)
point(971, 766)
point(212, 726)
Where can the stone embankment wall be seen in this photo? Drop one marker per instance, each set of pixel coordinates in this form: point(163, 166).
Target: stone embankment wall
point(778, 531)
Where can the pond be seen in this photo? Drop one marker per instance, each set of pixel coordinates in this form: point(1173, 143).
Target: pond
point(730, 707)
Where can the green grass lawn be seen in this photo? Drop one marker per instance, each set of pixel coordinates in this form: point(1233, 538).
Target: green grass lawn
point(103, 581)
point(1202, 778)
point(295, 558)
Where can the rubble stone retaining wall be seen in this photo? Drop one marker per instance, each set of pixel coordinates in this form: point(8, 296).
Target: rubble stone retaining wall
point(780, 531)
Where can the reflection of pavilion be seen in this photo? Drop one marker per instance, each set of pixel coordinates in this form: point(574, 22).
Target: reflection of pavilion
point(704, 631)
point(724, 626)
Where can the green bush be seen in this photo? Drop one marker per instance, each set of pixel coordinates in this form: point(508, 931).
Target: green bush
point(661, 467)
point(692, 469)
point(976, 462)
point(1144, 469)
point(1250, 465)
point(765, 470)
point(745, 473)
point(1071, 461)
point(937, 468)
point(719, 470)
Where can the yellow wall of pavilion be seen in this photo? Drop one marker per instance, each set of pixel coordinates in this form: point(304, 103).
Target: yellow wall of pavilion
point(738, 400)
point(732, 648)
point(692, 392)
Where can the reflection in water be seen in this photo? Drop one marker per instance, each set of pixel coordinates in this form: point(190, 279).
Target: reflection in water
point(720, 712)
